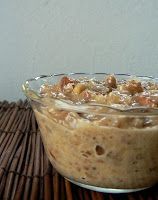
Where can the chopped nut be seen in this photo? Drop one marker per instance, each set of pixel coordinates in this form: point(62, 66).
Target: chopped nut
point(64, 81)
point(113, 98)
point(86, 95)
point(134, 87)
point(111, 81)
point(146, 101)
point(79, 88)
point(68, 88)
point(100, 99)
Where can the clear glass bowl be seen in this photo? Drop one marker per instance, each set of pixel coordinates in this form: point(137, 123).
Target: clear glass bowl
point(99, 156)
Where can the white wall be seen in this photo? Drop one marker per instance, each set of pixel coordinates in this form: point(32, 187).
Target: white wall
point(48, 36)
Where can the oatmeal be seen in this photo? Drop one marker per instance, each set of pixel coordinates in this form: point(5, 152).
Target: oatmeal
point(101, 132)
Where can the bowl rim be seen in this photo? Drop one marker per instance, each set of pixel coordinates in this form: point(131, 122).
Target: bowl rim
point(87, 73)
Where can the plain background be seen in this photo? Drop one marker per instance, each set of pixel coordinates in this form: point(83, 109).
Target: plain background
point(53, 36)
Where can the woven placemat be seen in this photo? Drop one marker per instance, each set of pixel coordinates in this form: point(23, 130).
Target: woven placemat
point(26, 173)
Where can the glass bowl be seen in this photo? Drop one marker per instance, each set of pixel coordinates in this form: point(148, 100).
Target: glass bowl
point(104, 157)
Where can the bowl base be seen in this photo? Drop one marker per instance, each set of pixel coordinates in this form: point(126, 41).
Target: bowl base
point(105, 190)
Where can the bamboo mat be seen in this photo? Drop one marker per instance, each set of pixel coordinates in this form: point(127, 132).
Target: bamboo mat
point(26, 173)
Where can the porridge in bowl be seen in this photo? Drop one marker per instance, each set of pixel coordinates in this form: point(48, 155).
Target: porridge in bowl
point(100, 130)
